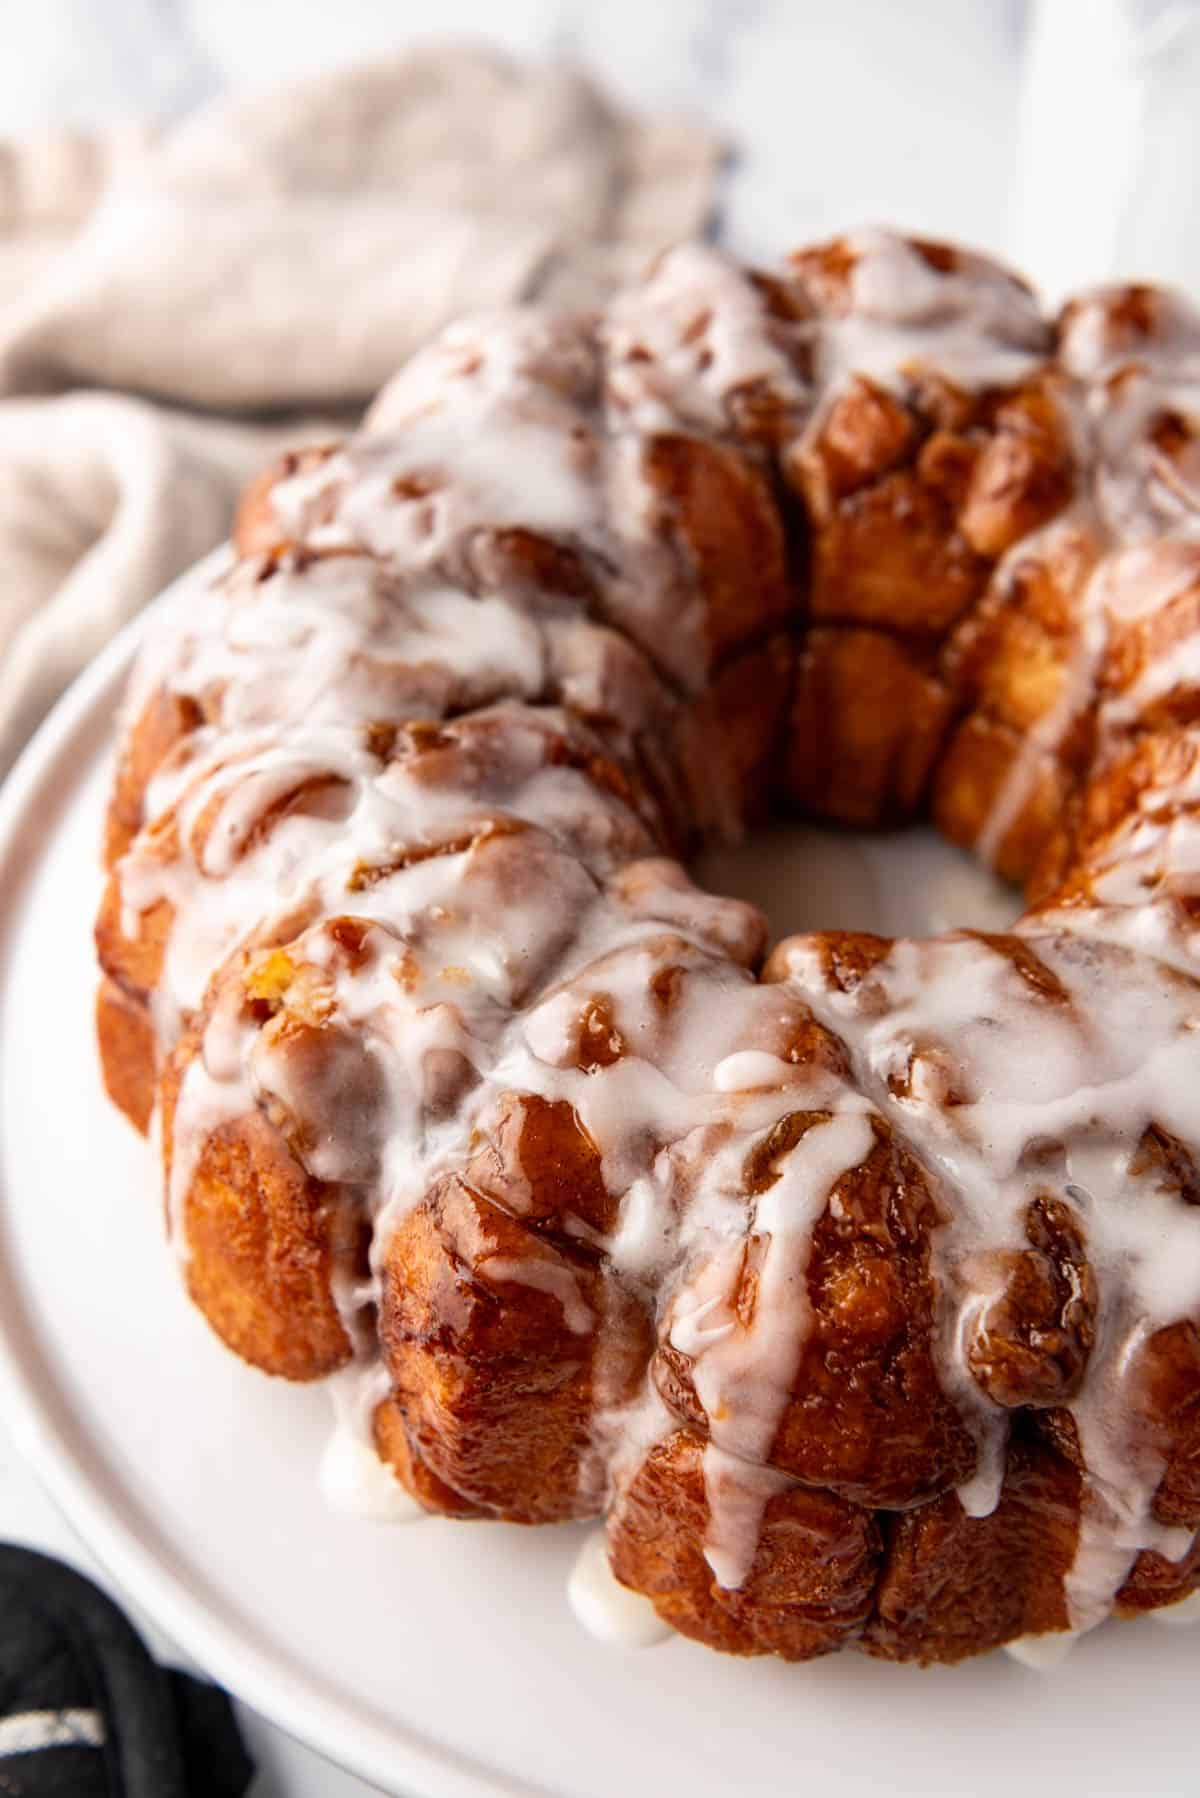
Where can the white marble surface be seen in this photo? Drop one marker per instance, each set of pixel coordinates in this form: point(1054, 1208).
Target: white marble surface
point(986, 121)
point(844, 112)
point(1061, 133)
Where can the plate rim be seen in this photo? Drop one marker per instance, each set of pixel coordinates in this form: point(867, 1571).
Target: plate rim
point(294, 1702)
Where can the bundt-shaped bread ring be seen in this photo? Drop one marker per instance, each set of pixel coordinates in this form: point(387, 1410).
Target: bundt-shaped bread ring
point(857, 1287)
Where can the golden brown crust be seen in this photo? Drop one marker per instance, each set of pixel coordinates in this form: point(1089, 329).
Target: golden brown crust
point(868, 718)
point(743, 717)
point(1136, 780)
point(165, 720)
point(394, 1447)
point(1137, 642)
point(717, 511)
point(973, 779)
point(1172, 1411)
point(912, 495)
point(912, 499)
point(954, 1585)
point(261, 1238)
point(1029, 1343)
point(1154, 1582)
point(128, 1053)
point(867, 1417)
point(808, 1593)
point(132, 962)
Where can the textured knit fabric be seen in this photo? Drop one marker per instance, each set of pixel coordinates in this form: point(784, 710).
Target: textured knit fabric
point(86, 1713)
point(176, 304)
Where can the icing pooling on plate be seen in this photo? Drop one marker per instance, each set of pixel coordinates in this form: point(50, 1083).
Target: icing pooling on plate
point(353, 1478)
point(518, 930)
point(606, 1609)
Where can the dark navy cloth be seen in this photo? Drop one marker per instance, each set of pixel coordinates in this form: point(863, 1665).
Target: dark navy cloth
point(86, 1713)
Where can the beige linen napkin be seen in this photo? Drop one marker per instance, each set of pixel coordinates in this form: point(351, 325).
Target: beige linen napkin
point(278, 253)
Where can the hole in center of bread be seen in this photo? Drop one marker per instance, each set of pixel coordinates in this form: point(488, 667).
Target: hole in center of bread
point(899, 883)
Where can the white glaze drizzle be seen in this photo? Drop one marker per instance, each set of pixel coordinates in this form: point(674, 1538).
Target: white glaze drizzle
point(480, 961)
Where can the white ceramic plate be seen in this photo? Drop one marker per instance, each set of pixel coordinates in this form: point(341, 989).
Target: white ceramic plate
point(437, 1658)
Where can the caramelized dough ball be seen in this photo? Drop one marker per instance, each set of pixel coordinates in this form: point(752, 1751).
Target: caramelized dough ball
point(867, 1417)
point(1024, 474)
point(715, 508)
point(1163, 1388)
point(128, 1052)
point(1168, 1402)
point(492, 1333)
point(1155, 1582)
point(954, 1585)
point(866, 433)
point(987, 764)
point(890, 556)
point(394, 1447)
point(262, 1240)
point(908, 511)
point(868, 719)
point(1030, 1343)
point(1015, 657)
point(728, 741)
point(535, 1159)
point(165, 721)
point(808, 1592)
point(1137, 641)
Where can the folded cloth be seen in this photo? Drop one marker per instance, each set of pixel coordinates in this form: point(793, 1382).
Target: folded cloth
point(102, 500)
point(275, 253)
point(86, 1713)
